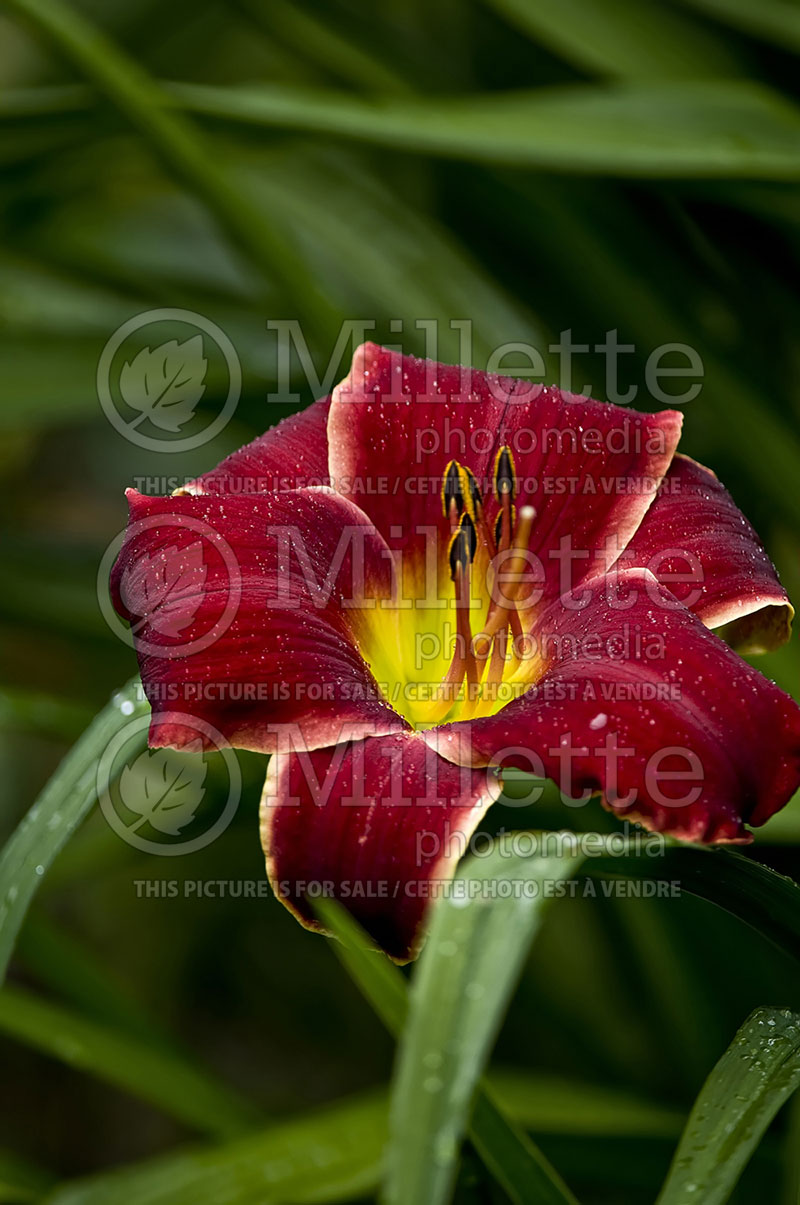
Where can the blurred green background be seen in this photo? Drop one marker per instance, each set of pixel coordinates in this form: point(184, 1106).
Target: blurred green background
point(530, 165)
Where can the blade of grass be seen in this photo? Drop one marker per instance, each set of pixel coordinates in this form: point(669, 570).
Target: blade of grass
point(622, 39)
point(773, 20)
point(176, 1087)
point(320, 43)
point(462, 985)
point(763, 899)
point(277, 1161)
point(21, 1181)
point(791, 1156)
point(757, 1073)
point(181, 149)
point(550, 1104)
point(512, 1158)
point(586, 249)
point(57, 812)
point(714, 129)
point(332, 1154)
point(68, 968)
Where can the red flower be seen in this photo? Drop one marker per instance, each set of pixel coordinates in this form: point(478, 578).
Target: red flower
point(439, 571)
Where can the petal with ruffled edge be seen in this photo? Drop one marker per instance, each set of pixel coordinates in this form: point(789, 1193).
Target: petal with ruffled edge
point(378, 824)
point(291, 455)
point(641, 702)
point(696, 540)
point(589, 469)
point(247, 613)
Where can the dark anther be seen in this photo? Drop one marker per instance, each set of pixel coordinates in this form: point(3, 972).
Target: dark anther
point(451, 489)
point(463, 546)
point(472, 494)
point(498, 526)
point(504, 475)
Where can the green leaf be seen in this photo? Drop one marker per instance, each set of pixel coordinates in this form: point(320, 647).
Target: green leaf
point(478, 940)
point(511, 1157)
point(166, 1081)
point(55, 815)
point(21, 1181)
point(757, 1073)
point(180, 148)
point(714, 129)
point(81, 978)
point(550, 1104)
point(776, 21)
point(320, 42)
point(613, 266)
point(763, 899)
point(379, 980)
point(622, 39)
point(295, 1160)
point(760, 897)
point(332, 1154)
point(791, 1156)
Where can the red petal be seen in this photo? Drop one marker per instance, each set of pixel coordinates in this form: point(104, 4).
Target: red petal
point(695, 530)
point(227, 628)
point(738, 735)
point(291, 455)
point(590, 469)
point(377, 824)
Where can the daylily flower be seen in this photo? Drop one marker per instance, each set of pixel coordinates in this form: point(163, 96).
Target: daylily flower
point(443, 573)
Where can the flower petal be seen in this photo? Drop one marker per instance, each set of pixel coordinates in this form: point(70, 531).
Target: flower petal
point(291, 455)
point(590, 469)
point(247, 613)
point(641, 702)
point(378, 824)
point(694, 531)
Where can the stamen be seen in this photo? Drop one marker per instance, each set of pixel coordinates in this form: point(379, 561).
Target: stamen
point(505, 477)
point(504, 490)
point(473, 500)
point(463, 547)
point(503, 526)
point(452, 493)
point(503, 608)
point(461, 554)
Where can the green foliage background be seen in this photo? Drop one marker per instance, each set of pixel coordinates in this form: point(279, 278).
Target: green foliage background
point(532, 165)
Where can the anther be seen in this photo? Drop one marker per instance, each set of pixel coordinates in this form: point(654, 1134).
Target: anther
point(452, 492)
point(502, 538)
point(505, 481)
point(473, 500)
point(463, 547)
